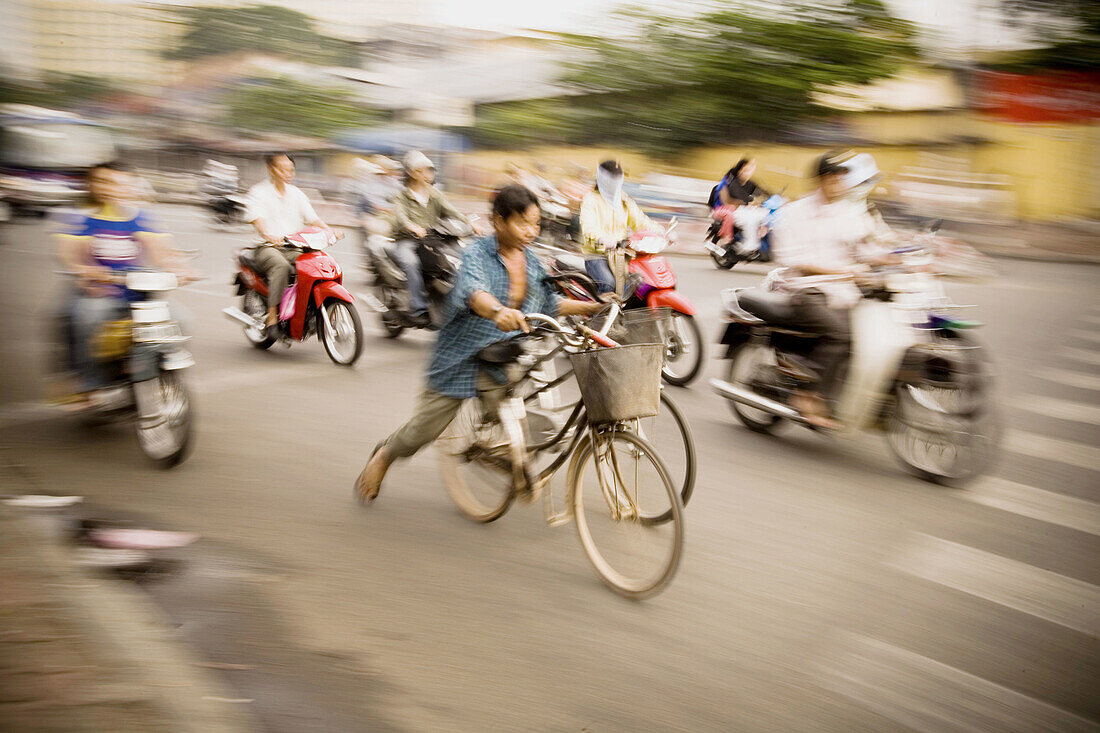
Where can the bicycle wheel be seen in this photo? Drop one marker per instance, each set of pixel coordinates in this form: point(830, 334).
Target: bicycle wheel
point(669, 429)
point(476, 464)
point(634, 556)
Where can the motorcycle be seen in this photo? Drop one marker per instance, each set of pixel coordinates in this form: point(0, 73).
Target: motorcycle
point(656, 287)
point(440, 254)
point(745, 248)
point(143, 354)
point(558, 225)
point(224, 201)
point(915, 373)
point(315, 301)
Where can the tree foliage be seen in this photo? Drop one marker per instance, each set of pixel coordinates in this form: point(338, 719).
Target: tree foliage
point(270, 29)
point(293, 107)
point(729, 74)
point(1066, 33)
point(59, 91)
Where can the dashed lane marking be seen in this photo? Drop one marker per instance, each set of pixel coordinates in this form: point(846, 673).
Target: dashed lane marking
point(1027, 501)
point(1056, 598)
point(1080, 380)
point(1082, 355)
point(1053, 449)
point(1058, 409)
point(925, 695)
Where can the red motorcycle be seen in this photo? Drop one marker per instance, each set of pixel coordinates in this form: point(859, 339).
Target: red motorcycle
point(315, 301)
point(655, 287)
point(658, 288)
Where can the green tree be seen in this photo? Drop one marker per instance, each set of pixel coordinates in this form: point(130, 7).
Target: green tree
point(725, 75)
point(271, 29)
point(1065, 33)
point(293, 107)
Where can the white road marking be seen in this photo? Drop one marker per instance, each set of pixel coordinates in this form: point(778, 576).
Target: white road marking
point(1082, 355)
point(1083, 335)
point(1059, 409)
point(1067, 602)
point(1027, 501)
point(925, 695)
point(1053, 449)
point(1080, 380)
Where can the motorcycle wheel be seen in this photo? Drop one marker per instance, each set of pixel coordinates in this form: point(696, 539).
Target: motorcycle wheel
point(252, 303)
point(345, 344)
point(168, 442)
point(743, 362)
point(722, 262)
point(950, 450)
point(685, 351)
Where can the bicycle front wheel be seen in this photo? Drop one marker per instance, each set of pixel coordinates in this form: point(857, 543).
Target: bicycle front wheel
point(476, 463)
point(617, 485)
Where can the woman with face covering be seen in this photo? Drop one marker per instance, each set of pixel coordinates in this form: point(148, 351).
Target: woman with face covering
point(608, 216)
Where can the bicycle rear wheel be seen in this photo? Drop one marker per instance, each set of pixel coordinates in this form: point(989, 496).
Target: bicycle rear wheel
point(669, 429)
point(614, 485)
point(475, 462)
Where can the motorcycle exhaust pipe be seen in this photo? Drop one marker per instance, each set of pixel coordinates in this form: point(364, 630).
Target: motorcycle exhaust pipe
point(237, 314)
point(751, 399)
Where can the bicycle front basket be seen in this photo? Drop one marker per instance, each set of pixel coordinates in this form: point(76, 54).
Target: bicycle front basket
point(619, 383)
point(638, 325)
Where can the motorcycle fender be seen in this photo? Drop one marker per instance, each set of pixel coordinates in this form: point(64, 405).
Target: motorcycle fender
point(733, 335)
point(670, 299)
point(330, 289)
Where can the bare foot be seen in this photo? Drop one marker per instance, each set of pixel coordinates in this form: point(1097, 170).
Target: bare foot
point(369, 482)
point(813, 408)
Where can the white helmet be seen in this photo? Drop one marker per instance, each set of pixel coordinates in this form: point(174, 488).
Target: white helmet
point(861, 169)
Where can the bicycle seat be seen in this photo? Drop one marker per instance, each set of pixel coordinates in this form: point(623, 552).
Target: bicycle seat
point(773, 308)
point(502, 352)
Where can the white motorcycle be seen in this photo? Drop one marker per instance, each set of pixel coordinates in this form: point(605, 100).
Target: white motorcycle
point(914, 373)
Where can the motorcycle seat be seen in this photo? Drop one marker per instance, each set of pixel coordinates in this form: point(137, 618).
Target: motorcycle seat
point(247, 257)
point(772, 308)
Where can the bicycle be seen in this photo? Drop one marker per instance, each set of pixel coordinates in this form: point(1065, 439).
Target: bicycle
point(487, 463)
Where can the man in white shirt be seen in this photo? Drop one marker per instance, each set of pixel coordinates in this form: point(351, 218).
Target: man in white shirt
point(825, 234)
point(277, 208)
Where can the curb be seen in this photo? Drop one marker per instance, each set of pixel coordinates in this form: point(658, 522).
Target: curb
point(124, 630)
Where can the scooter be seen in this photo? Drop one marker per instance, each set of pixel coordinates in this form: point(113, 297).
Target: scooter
point(315, 302)
point(143, 353)
point(746, 246)
point(440, 254)
point(656, 288)
point(915, 374)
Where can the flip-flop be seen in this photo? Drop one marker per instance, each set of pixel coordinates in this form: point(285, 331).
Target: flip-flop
point(362, 494)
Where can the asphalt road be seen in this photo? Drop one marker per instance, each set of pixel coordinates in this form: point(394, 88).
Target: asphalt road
point(821, 588)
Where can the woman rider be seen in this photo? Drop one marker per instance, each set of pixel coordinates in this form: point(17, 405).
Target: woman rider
point(608, 216)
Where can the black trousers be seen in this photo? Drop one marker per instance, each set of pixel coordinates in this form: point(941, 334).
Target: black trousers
point(832, 325)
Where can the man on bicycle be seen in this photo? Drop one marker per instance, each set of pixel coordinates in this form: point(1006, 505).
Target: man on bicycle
point(499, 280)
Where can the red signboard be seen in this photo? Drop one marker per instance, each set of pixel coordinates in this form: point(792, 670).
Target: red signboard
point(1051, 97)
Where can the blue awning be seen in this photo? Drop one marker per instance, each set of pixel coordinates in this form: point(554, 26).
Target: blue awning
point(400, 140)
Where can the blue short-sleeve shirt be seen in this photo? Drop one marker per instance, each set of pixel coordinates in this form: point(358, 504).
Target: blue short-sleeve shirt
point(454, 365)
